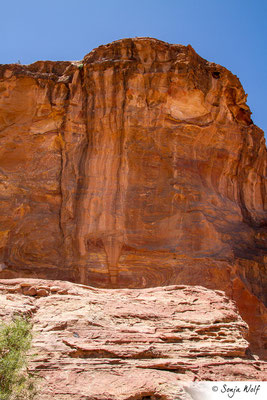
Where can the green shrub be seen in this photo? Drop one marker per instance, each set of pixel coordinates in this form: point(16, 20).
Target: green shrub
point(15, 341)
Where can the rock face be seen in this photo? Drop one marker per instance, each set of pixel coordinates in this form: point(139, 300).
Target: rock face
point(123, 344)
point(139, 166)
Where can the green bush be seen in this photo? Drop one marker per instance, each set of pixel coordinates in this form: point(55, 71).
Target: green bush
point(15, 341)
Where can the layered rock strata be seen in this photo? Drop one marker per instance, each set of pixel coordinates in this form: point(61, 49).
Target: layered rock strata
point(138, 166)
point(123, 344)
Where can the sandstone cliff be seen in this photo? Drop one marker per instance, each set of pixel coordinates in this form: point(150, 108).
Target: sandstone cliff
point(129, 344)
point(138, 166)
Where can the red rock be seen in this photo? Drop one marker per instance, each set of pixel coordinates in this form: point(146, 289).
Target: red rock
point(42, 292)
point(139, 166)
point(30, 291)
point(131, 343)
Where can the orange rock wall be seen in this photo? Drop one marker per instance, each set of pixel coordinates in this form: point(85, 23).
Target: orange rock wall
point(139, 166)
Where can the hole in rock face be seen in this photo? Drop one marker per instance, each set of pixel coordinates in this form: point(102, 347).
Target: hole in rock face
point(146, 397)
point(216, 74)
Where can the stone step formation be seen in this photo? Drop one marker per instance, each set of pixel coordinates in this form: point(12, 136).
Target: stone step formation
point(122, 344)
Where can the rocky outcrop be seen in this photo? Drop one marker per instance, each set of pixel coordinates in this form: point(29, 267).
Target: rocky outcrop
point(139, 166)
point(129, 343)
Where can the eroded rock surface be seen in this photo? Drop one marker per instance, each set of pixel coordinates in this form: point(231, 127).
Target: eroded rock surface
point(139, 166)
point(129, 343)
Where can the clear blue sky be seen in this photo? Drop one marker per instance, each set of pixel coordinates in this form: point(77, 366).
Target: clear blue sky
point(232, 33)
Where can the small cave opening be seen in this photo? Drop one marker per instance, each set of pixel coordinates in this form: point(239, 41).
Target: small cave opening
point(216, 74)
point(146, 396)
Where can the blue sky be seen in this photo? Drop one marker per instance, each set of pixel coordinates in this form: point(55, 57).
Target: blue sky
point(232, 33)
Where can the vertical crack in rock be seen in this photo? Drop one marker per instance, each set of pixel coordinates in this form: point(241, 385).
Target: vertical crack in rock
point(75, 142)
